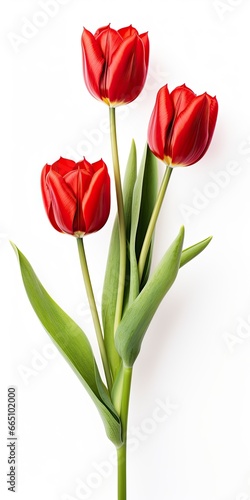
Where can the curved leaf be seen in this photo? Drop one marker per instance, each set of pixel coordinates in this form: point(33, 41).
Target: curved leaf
point(133, 326)
point(111, 279)
point(109, 297)
point(73, 344)
point(191, 252)
point(144, 197)
point(148, 199)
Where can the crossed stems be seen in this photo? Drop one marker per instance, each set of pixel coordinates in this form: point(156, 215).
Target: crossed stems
point(122, 394)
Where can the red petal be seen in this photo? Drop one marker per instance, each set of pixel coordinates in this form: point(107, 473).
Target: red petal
point(160, 122)
point(93, 63)
point(190, 132)
point(63, 203)
point(85, 165)
point(213, 104)
point(181, 97)
point(127, 72)
point(99, 30)
point(63, 166)
point(98, 165)
point(44, 187)
point(145, 41)
point(96, 203)
point(47, 198)
point(128, 31)
point(78, 181)
point(109, 40)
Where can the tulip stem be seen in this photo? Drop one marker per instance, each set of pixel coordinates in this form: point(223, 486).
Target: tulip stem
point(121, 218)
point(122, 451)
point(153, 220)
point(94, 312)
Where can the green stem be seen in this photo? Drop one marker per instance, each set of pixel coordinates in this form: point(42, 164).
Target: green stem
point(153, 220)
point(121, 218)
point(122, 472)
point(122, 451)
point(94, 312)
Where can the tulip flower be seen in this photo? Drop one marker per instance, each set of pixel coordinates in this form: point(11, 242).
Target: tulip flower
point(76, 195)
point(115, 63)
point(181, 125)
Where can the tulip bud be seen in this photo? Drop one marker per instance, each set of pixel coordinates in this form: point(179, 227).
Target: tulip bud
point(76, 195)
point(181, 125)
point(115, 64)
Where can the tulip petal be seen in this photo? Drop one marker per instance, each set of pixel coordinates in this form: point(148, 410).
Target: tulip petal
point(98, 165)
point(109, 40)
point(93, 63)
point(145, 41)
point(63, 202)
point(78, 186)
point(99, 30)
point(96, 202)
point(213, 103)
point(181, 97)
point(128, 31)
point(85, 165)
point(44, 187)
point(190, 132)
point(79, 181)
point(160, 122)
point(47, 198)
point(63, 166)
point(127, 71)
point(213, 113)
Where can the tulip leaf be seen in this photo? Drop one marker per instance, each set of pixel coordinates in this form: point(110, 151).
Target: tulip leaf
point(144, 196)
point(191, 252)
point(128, 187)
point(109, 297)
point(73, 344)
point(133, 326)
point(148, 199)
point(111, 279)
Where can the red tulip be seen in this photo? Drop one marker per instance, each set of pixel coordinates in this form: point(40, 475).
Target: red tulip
point(181, 125)
point(76, 195)
point(115, 63)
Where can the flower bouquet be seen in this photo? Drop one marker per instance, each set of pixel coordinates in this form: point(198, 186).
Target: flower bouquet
point(76, 198)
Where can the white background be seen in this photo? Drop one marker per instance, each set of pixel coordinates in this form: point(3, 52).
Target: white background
point(196, 353)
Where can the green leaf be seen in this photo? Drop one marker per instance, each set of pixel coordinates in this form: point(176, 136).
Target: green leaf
point(128, 187)
point(148, 199)
point(133, 326)
point(73, 344)
point(109, 297)
point(191, 252)
point(144, 196)
point(111, 279)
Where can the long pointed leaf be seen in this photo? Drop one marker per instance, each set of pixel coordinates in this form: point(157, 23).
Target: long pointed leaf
point(73, 344)
point(110, 286)
point(144, 196)
point(133, 326)
point(148, 199)
point(191, 252)
point(109, 298)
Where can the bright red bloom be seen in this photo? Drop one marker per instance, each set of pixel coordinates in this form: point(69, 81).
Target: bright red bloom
point(76, 195)
point(181, 125)
point(115, 63)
